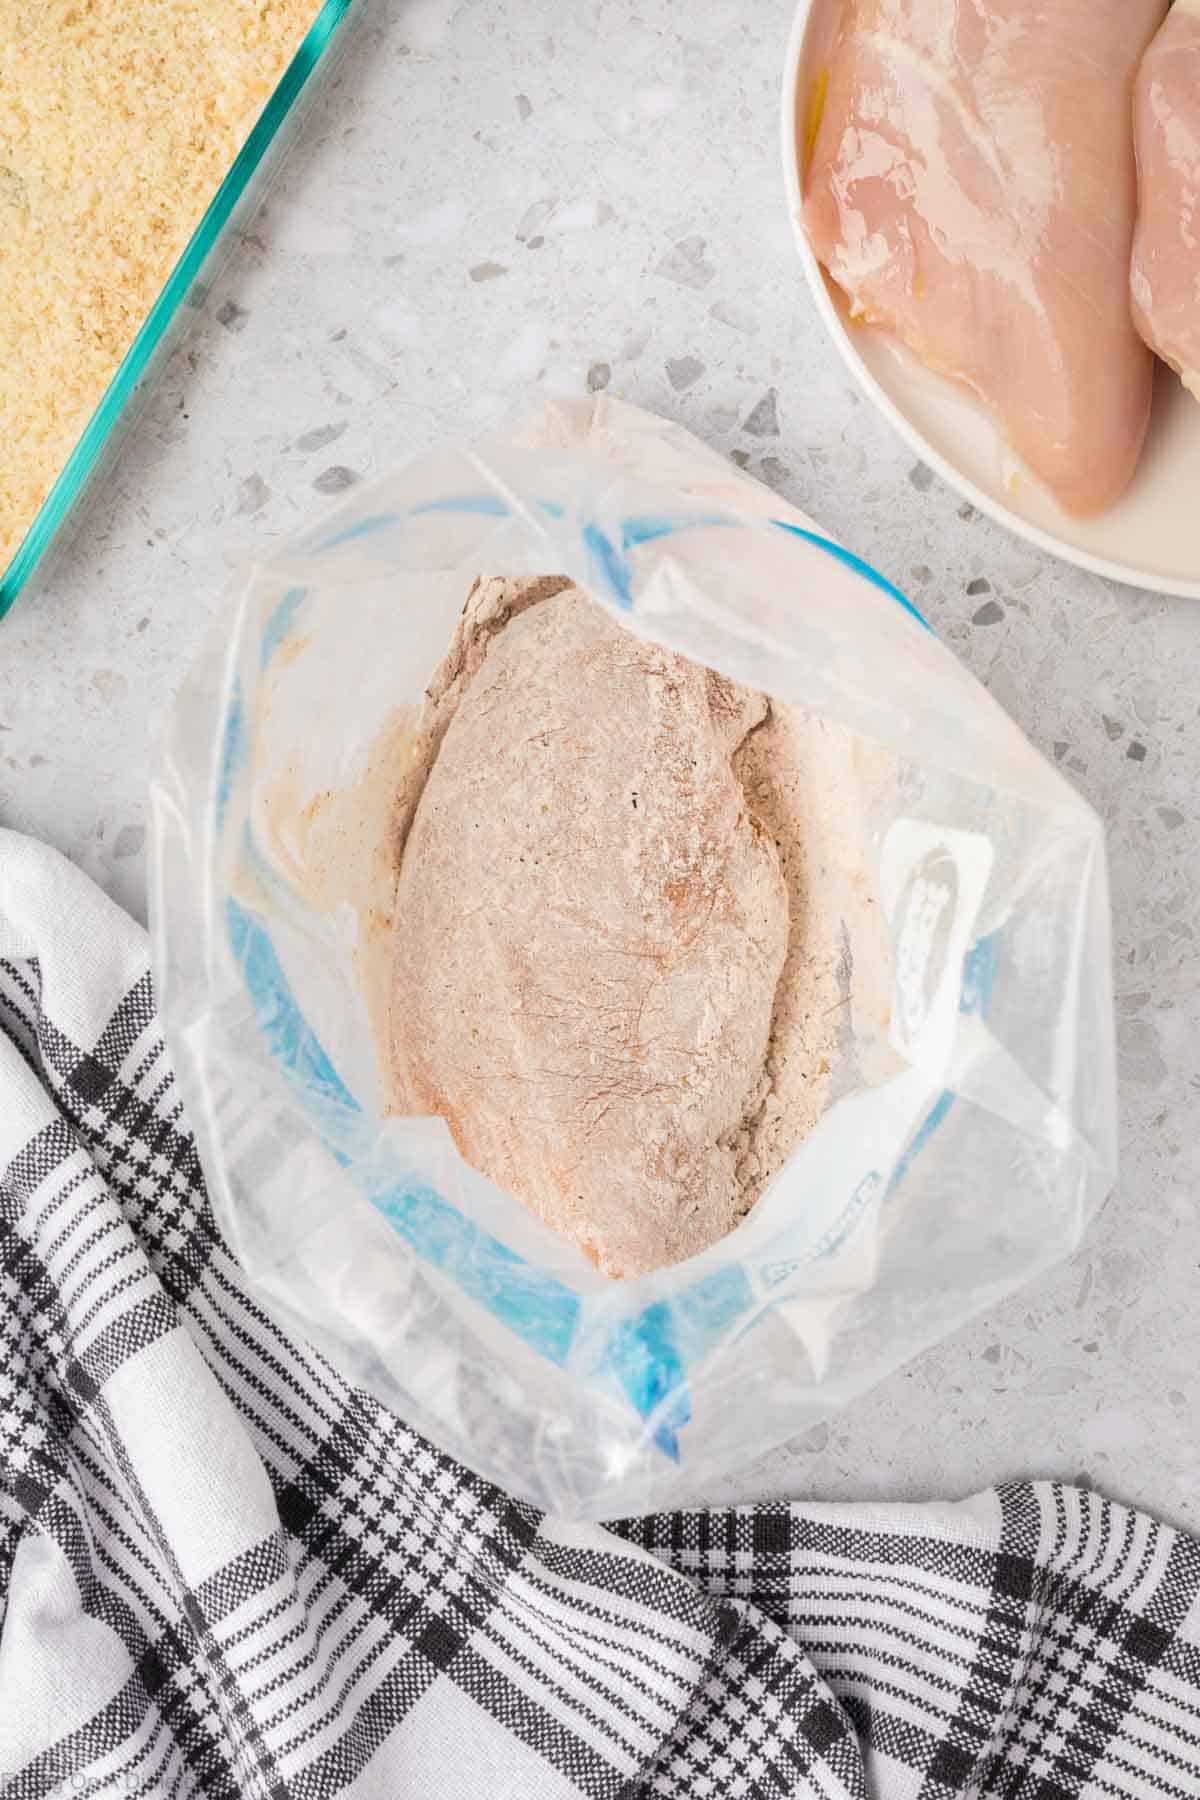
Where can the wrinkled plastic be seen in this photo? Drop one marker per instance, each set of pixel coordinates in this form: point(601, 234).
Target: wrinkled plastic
point(913, 1203)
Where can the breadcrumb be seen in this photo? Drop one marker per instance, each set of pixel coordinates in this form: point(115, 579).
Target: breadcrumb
point(117, 124)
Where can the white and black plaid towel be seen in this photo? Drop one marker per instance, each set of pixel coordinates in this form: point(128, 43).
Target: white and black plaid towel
point(224, 1571)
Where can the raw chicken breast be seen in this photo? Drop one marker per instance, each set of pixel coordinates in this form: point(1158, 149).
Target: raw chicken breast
point(970, 183)
point(1166, 247)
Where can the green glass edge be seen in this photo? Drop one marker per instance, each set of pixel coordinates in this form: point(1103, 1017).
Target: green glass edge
point(79, 464)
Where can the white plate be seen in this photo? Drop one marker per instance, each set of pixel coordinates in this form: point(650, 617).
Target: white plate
point(1151, 538)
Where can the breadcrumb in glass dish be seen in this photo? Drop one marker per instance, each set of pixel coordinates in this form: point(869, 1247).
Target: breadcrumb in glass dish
point(118, 123)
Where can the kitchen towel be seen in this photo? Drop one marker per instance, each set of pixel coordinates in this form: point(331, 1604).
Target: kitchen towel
point(226, 1571)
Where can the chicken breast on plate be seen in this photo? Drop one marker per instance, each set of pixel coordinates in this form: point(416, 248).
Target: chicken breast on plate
point(1166, 247)
point(969, 182)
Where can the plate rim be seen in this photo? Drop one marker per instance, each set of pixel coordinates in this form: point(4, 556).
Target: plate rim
point(1177, 587)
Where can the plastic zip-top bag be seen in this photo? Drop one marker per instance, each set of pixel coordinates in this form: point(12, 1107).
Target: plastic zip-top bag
point(968, 1127)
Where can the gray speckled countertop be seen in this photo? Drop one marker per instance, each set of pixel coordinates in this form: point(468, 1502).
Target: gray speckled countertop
point(495, 201)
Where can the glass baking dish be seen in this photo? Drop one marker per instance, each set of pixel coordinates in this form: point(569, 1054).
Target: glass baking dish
point(240, 192)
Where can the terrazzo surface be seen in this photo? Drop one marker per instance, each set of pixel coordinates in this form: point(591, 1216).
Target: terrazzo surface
point(496, 201)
